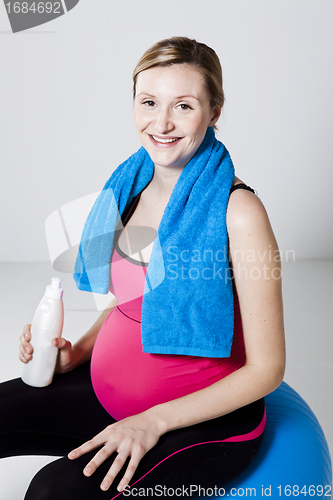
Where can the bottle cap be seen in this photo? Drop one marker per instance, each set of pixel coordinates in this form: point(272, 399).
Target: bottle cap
point(54, 291)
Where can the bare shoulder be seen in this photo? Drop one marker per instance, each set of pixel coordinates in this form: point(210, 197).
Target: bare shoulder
point(248, 225)
point(246, 213)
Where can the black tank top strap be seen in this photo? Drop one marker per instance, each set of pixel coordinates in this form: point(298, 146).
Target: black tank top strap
point(241, 186)
point(125, 217)
point(129, 210)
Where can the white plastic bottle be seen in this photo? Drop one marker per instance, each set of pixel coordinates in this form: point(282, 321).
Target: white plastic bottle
point(46, 325)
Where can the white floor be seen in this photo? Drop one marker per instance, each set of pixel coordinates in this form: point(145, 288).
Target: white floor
point(308, 302)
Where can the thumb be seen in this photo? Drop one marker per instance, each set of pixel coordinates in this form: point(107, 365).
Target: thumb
point(61, 343)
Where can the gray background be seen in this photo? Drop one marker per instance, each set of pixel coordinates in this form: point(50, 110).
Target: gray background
point(66, 108)
point(66, 123)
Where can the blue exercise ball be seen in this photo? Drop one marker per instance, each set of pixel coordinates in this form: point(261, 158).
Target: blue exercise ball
point(293, 460)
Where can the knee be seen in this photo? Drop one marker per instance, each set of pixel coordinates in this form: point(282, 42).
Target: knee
point(50, 483)
point(43, 486)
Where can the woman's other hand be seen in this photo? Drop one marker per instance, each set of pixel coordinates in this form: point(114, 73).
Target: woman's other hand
point(131, 438)
point(65, 356)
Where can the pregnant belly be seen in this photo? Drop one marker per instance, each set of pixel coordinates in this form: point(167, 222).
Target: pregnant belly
point(128, 381)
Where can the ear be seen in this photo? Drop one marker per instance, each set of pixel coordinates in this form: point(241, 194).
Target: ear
point(216, 111)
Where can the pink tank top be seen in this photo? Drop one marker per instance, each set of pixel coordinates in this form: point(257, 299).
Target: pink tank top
point(128, 381)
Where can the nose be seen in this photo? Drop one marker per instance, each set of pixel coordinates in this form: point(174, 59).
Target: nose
point(163, 121)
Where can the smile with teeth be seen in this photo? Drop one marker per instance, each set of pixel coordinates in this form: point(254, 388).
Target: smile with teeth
point(165, 141)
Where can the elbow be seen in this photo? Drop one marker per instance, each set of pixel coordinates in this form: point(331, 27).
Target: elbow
point(277, 379)
point(266, 379)
point(275, 375)
point(274, 369)
point(269, 376)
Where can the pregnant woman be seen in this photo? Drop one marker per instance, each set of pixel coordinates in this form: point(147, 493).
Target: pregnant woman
point(164, 394)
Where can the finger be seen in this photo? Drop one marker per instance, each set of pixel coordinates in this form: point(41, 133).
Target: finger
point(117, 465)
point(24, 359)
point(85, 447)
point(65, 355)
point(131, 468)
point(27, 332)
point(26, 352)
point(61, 343)
point(26, 336)
point(24, 341)
point(22, 350)
point(26, 347)
point(99, 458)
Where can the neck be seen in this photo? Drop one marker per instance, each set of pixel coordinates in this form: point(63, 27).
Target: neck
point(164, 180)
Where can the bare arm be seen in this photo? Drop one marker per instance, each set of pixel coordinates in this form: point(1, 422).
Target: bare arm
point(257, 273)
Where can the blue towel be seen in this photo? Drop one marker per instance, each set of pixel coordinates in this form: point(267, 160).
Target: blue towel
point(187, 306)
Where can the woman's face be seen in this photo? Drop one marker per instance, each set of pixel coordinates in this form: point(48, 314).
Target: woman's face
point(172, 112)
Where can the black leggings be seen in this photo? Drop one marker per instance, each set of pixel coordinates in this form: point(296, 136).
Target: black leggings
point(62, 416)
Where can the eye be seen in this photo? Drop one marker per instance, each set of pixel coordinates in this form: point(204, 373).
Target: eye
point(184, 107)
point(149, 103)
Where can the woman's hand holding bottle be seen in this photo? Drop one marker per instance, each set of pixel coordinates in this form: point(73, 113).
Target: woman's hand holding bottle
point(65, 356)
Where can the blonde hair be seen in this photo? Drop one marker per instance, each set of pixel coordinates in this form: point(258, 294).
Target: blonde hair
point(183, 50)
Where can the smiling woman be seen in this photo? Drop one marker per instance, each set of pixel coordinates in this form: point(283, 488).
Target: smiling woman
point(171, 122)
point(167, 389)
